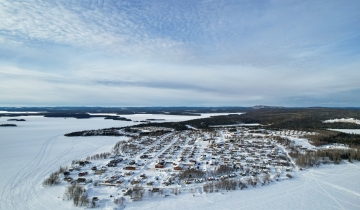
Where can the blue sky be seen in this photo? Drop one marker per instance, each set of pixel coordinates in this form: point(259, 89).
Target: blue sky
point(179, 53)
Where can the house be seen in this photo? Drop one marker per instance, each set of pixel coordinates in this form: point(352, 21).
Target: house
point(144, 156)
point(177, 168)
point(99, 172)
point(83, 173)
point(159, 165)
point(130, 168)
point(155, 190)
point(81, 180)
point(134, 181)
point(188, 164)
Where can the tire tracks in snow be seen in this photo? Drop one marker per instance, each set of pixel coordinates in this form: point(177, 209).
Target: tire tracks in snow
point(36, 195)
point(320, 188)
point(336, 201)
point(23, 186)
point(41, 174)
point(12, 187)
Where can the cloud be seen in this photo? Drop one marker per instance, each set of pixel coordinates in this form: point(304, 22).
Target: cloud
point(78, 24)
point(249, 33)
point(178, 52)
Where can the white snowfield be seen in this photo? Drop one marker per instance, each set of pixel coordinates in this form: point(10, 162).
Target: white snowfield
point(351, 131)
point(345, 120)
point(37, 147)
point(327, 187)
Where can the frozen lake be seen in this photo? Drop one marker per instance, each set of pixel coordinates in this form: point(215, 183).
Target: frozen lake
point(351, 131)
point(37, 147)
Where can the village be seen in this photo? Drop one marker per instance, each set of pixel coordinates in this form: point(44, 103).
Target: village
point(163, 162)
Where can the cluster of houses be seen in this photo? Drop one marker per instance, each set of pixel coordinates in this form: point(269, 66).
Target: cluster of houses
point(291, 133)
point(160, 161)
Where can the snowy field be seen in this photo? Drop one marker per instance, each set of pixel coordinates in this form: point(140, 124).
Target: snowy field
point(351, 131)
point(344, 120)
point(37, 147)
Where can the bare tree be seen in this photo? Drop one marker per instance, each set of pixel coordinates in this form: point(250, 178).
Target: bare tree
point(137, 193)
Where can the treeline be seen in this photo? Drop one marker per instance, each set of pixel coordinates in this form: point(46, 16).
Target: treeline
point(191, 173)
point(54, 178)
point(328, 137)
point(325, 156)
point(231, 184)
point(302, 119)
point(307, 119)
point(221, 185)
point(115, 132)
point(18, 120)
point(179, 126)
point(117, 118)
point(99, 132)
point(8, 125)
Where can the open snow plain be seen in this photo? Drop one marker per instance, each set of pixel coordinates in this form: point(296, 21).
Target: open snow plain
point(351, 131)
point(37, 147)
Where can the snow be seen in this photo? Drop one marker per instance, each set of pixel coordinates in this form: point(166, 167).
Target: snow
point(191, 127)
point(37, 147)
point(303, 142)
point(326, 187)
point(109, 114)
point(351, 131)
point(345, 120)
point(7, 112)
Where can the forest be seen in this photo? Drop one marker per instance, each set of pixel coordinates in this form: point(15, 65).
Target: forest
point(301, 119)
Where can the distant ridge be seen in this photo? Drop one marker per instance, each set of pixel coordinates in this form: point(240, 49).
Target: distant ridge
point(267, 107)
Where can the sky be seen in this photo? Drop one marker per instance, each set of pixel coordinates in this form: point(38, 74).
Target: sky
point(180, 53)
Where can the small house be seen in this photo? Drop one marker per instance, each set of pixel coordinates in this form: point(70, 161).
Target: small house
point(130, 168)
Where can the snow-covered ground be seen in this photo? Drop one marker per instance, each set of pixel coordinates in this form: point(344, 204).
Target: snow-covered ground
point(171, 118)
point(303, 142)
point(345, 120)
point(6, 112)
point(37, 147)
point(351, 131)
point(327, 187)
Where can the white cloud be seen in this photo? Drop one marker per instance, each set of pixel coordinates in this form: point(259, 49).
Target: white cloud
point(177, 52)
